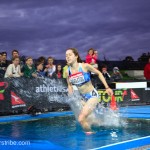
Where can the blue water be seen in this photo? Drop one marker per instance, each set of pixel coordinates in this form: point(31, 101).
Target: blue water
point(66, 133)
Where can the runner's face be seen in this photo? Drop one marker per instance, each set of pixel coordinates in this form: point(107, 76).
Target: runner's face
point(70, 57)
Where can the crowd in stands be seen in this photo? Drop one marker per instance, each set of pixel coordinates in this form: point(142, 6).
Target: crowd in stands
point(28, 68)
point(115, 76)
point(42, 67)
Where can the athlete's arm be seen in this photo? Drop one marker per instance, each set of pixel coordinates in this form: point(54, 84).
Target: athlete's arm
point(101, 77)
point(70, 88)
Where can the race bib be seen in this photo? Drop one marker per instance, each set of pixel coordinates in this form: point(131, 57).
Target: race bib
point(77, 78)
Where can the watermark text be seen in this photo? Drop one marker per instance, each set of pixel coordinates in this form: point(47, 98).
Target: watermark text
point(14, 142)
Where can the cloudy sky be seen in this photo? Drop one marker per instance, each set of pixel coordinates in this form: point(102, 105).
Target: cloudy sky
point(116, 28)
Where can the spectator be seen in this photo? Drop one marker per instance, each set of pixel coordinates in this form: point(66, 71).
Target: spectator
point(51, 68)
point(42, 59)
point(29, 69)
point(39, 70)
point(3, 64)
point(13, 70)
point(59, 73)
point(91, 59)
point(15, 53)
point(105, 72)
point(116, 76)
point(0, 57)
point(95, 54)
point(147, 70)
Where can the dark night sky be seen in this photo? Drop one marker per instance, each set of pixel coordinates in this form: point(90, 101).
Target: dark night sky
point(116, 28)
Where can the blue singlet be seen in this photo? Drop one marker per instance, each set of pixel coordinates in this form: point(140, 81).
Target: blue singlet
point(79, 78)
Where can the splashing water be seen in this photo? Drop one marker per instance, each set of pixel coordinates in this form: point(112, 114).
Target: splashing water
point(101, 116)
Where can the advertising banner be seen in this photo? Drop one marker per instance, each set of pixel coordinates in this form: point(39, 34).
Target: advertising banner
point(42, 93)
point(5, 98)
point(21, 93)
point(126, 97)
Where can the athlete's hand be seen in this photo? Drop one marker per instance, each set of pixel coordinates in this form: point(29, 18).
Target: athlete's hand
point(109, 91)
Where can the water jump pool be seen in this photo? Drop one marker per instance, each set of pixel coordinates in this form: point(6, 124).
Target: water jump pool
point(59, 130)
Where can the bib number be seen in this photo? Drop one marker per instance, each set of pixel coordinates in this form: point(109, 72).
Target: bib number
point(77, 78)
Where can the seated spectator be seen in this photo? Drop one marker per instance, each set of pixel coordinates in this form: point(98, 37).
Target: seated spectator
point(147, 70)
point(105, 72)
point(51, 68)
point(3, 64)
point(59, 73)
point(15, 53)
point(42, 59)
point(39, 70)
point(116, 76)
point(13, 70)
point(29, 69)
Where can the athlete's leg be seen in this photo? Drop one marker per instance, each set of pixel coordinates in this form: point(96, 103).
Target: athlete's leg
point(85, 112)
